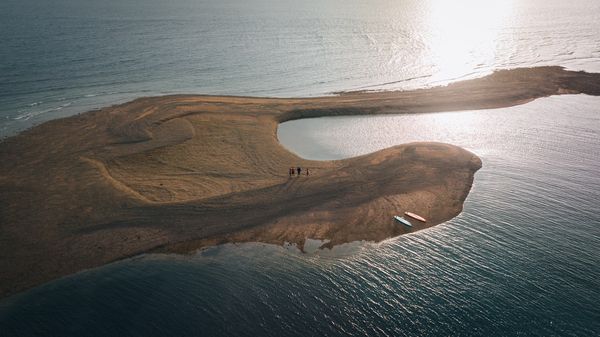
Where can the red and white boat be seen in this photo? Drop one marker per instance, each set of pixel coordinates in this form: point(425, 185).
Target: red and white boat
point(415, 216)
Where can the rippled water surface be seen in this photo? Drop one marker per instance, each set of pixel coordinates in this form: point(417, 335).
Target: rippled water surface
point(60, 57)
point(522, 259)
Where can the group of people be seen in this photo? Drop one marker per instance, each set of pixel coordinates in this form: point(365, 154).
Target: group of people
point(297, 170)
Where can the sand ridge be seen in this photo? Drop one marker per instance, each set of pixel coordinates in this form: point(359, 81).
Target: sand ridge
point(176, 173)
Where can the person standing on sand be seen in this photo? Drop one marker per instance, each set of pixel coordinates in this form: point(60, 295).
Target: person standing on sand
point(307, 172)
point(290, 171)
point(299, 170)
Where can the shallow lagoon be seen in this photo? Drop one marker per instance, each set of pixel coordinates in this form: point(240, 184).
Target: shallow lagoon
point(521, 259)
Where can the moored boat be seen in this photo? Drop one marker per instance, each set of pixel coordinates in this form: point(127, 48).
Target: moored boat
point(402, 220)
point(415, 216)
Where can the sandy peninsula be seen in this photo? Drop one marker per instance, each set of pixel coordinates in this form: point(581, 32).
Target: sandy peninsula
point(176, 173)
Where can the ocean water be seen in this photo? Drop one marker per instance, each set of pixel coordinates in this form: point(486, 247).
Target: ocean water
point(522, 259)
point(62, 57)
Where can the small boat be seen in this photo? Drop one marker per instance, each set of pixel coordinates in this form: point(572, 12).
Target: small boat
point(402, 220)
point(415, 216)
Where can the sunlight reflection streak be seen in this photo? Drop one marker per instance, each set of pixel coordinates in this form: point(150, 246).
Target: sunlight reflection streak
point(462, 35)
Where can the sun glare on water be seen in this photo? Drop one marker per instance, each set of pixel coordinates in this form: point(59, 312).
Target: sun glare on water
point(462, 36)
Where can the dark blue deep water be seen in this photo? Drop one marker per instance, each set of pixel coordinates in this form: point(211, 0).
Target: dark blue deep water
point(523, 259)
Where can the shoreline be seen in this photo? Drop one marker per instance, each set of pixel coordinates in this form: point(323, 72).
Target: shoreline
point(177, 173)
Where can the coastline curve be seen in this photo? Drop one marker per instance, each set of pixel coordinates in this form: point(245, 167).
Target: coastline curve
point(176, 173)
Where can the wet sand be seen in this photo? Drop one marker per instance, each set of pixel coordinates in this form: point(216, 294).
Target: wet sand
point(177, 173)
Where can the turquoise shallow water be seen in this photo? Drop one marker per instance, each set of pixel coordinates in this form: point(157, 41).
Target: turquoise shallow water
point(522, 259)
